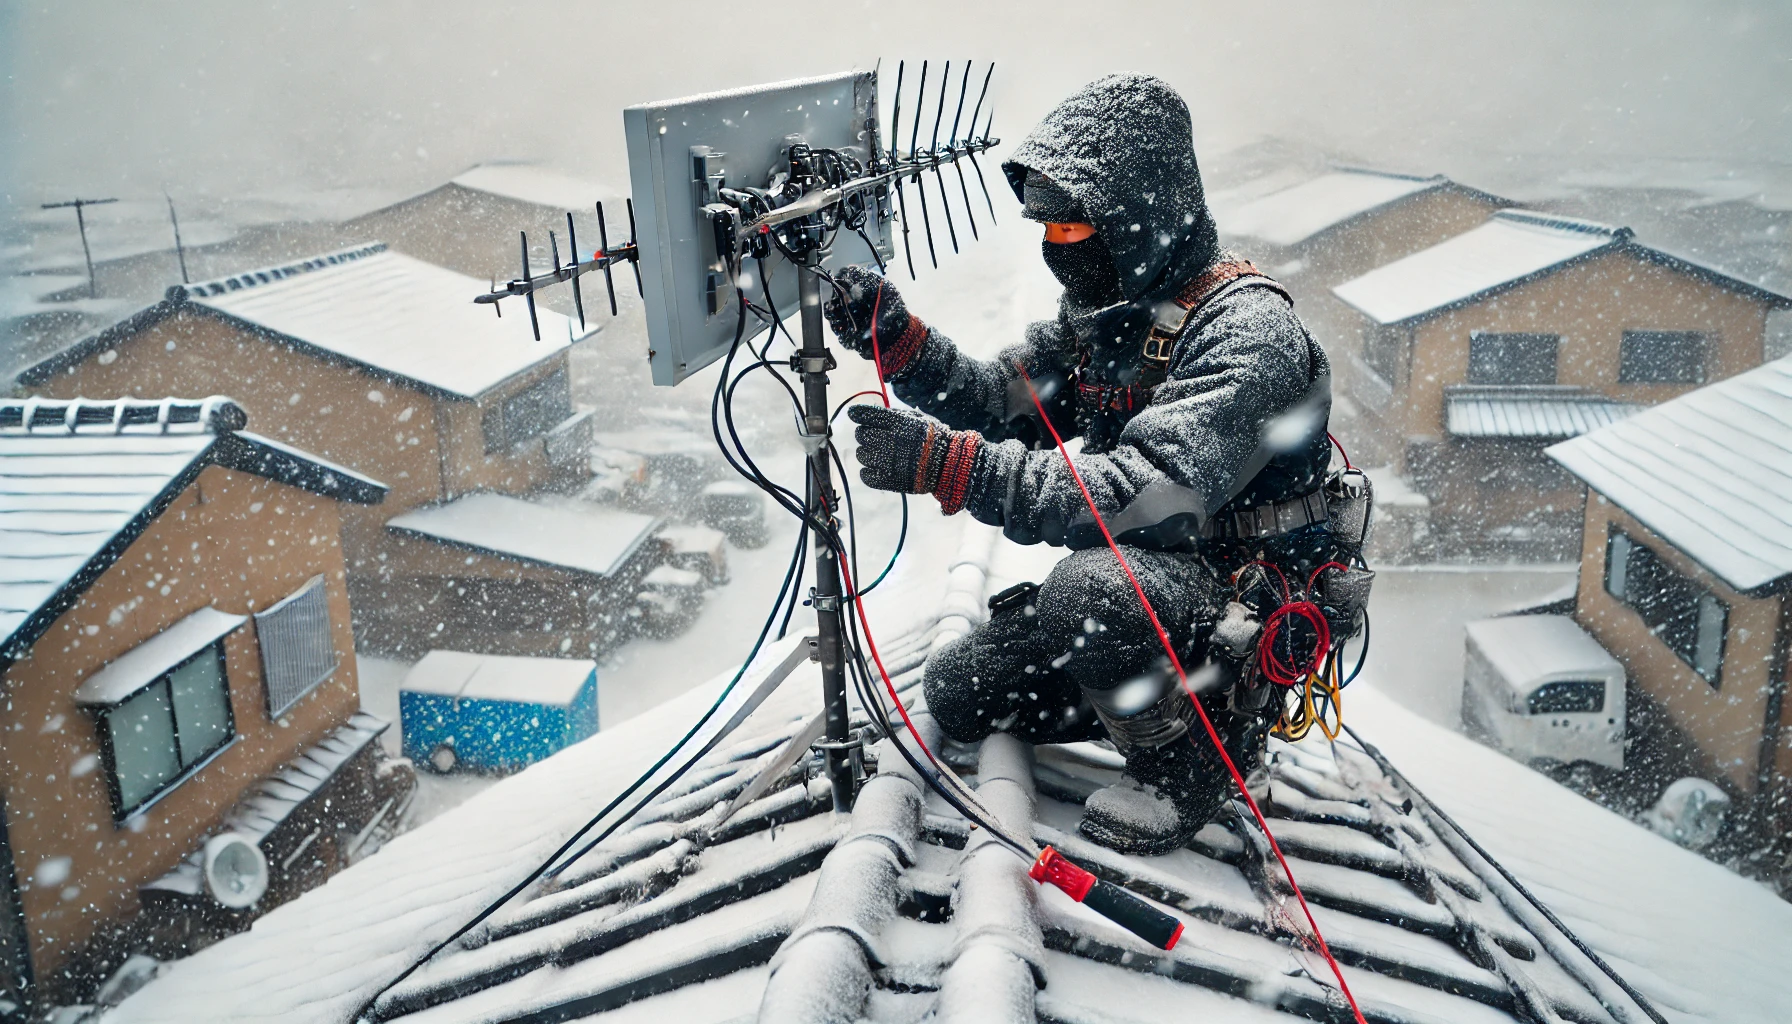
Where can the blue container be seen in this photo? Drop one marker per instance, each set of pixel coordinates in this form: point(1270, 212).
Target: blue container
point(491, 712)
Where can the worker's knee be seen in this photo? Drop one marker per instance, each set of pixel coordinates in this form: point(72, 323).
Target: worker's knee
point(951, 683)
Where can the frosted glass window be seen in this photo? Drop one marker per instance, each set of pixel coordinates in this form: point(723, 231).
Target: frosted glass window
point(144, 757)
point(201, 705)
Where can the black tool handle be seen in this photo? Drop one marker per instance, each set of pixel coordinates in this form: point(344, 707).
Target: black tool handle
point(1134, 914)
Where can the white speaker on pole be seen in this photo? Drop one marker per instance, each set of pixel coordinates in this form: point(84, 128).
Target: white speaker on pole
point(236, 871)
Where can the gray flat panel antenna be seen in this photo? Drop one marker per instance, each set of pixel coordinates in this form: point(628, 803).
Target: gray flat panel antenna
point(682, 152)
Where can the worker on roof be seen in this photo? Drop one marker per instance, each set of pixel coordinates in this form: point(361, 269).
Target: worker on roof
point(1201, 401)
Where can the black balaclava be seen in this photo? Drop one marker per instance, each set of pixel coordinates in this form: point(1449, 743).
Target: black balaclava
point(1086, 268)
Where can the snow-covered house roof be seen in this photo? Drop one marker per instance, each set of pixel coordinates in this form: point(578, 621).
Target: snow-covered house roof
point(367, 306)
point(785, 911)
point(1538, 412)
point(1293, 215)
point(569, 535)
point(1513, 247)
point(552, 681)
point(532, 183)
point(1710, 472)
point(80, 480)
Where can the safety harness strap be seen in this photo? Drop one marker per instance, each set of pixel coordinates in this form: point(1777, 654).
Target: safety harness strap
point(1230, 271)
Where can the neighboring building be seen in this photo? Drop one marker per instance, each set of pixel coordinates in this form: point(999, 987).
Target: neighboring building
point(1323, 232)
point(1686, 577)
point(499, 575)
point(142, 709)
point(1477, 353)
point(472, 223)
point(370, 358)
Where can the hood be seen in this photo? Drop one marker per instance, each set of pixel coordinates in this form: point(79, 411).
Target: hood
point(1124, 147)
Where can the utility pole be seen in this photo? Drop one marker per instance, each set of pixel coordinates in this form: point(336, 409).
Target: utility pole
point(178, 250)
point(93, 288)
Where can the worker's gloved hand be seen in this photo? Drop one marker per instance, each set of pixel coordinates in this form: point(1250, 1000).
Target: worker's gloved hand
point(867, 308)
point(902, 450)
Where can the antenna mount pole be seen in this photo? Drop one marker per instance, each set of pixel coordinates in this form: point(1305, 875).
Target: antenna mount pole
point(814, 361)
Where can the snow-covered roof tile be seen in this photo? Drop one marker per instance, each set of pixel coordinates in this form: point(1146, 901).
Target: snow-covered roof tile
point(1513, 245)
point(570, 535)
point(392, 313)
point(1541, 412)
point(1295, 214)
point(1709, 472)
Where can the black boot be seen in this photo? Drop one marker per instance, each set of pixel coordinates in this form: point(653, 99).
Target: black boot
point(1175, 781)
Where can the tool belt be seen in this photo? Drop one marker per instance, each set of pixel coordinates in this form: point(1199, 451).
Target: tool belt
point(1267, 520)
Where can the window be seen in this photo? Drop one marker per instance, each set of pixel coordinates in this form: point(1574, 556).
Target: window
point(1567, 695)
point(297, 648)
point(529, 413)
point(1383, 348)
point(1686, 617)
point(1512, 358)
point(152, 737)
point(1661, 357)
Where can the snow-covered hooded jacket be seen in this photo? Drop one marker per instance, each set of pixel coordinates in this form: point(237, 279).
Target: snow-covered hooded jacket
point(1240, 417)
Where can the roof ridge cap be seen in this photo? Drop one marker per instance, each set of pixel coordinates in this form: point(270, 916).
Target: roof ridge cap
point(270, 274)
point(1562, 222)
point(1400, 175)
point(40, 417)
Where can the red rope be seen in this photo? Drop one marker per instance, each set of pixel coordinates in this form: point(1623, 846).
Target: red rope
point(877, 357)
point(1206, 722)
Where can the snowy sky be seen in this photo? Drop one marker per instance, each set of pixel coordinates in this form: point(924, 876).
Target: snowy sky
point(219, 100)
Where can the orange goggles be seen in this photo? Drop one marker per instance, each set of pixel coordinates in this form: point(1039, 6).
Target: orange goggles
point(1064, 234)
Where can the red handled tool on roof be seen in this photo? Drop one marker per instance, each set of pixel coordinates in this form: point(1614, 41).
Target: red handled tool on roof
point(1107, 899)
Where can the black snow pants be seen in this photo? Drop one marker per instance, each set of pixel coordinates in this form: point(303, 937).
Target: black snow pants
point(1025, 671)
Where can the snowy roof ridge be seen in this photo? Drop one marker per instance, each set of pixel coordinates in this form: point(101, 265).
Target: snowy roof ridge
point(395, 316)
point(1511, 248)
point(212, 415)
point(1293, 215)
point(268, 275)
point(1710, 472)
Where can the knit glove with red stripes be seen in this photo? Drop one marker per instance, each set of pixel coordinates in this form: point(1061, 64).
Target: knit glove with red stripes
point(867, 303)
point(902, 450)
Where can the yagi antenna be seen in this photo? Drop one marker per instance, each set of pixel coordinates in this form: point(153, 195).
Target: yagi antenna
point(973, 153)
point(952, 147)
point(574, 268)
point(901, 203)
point(933, 154)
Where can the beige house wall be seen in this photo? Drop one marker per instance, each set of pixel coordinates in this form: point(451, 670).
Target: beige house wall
point(1725, 723)
point(232, 541)
point(1590, 305)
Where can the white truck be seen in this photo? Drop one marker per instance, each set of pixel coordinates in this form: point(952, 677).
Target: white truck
point(1541, 689)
